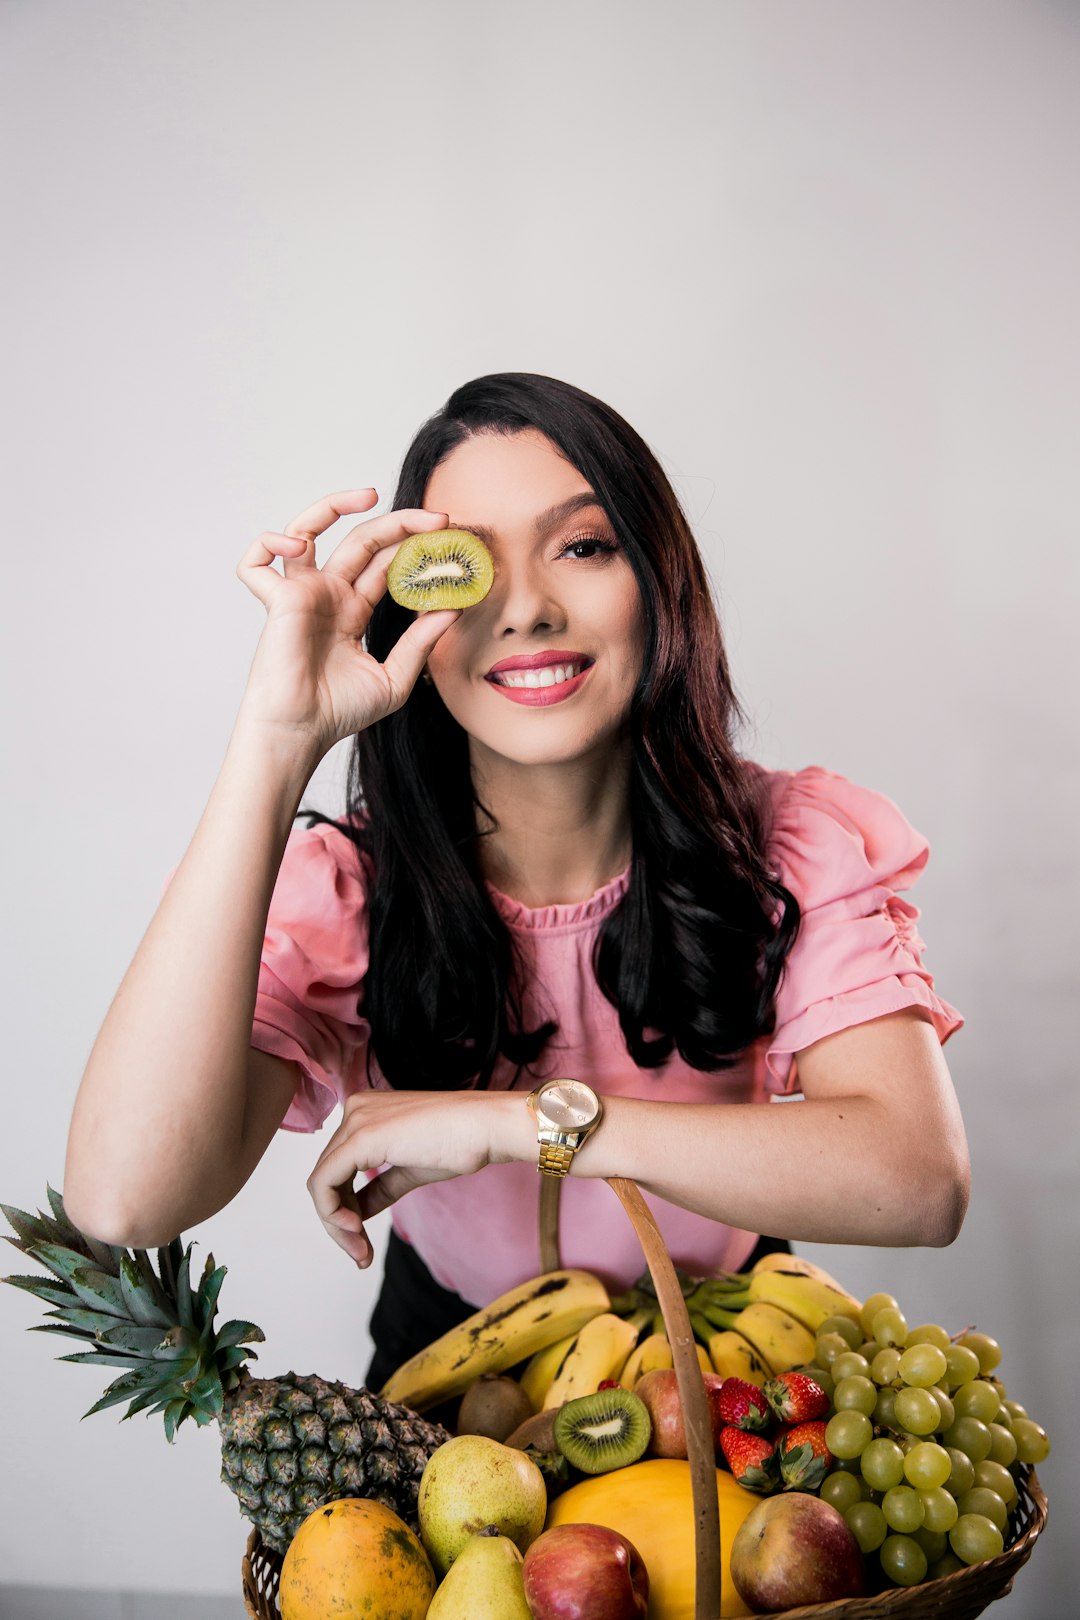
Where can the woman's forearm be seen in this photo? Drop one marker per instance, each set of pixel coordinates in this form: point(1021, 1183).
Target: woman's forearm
point(838, 1171)
point(159, 1116)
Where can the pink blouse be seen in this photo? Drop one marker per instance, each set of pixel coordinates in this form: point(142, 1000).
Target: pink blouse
point(842, 850)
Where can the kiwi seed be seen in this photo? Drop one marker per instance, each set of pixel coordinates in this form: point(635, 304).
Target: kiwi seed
point(449, 568)
point(607, 1430)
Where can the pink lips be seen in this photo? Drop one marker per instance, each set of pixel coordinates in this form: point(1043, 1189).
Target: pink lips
point(539, 696)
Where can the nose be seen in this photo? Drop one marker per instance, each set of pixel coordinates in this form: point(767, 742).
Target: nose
point(524, 600)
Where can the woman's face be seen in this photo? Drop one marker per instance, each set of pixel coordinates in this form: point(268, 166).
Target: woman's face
point(543, 669)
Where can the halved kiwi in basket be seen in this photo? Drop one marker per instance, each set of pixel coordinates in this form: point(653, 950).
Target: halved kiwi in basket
point(449, 568)
point(603, 1431)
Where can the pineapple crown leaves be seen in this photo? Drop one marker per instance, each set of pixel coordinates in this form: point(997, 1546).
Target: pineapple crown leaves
point(152, 1324)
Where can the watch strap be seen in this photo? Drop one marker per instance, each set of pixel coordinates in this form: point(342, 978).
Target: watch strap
point(555, 1158)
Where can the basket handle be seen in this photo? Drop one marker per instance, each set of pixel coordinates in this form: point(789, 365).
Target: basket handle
point(700, 1450)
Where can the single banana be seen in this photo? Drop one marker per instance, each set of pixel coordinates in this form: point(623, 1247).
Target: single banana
point(733, 1356)
point(653, 1352)
point(600, 1351)
point(807, 1299)
point(517, 1324)
point(780, 1341)
point(795, 1262)
point(537, 1377)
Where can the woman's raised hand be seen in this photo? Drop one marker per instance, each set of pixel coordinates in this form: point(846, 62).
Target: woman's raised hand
point(310, 677)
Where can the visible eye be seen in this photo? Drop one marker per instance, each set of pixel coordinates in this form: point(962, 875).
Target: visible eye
point(585, 546)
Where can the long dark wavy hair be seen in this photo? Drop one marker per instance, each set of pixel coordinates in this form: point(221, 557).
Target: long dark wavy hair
point(692, 954)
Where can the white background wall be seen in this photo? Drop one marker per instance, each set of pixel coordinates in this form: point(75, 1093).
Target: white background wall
point(823, 255)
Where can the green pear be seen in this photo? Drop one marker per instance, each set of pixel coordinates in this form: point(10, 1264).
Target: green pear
point(472, 1482)
point(483, 1583)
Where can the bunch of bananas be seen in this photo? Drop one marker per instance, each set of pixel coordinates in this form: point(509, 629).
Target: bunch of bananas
point(568, 1336)
point(759, 1323)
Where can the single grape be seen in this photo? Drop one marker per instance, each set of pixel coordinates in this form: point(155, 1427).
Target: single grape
point(889, 1326)
point(847, 1434)
point(940, 1511)
point(841, 1490)
point(827, 1346)
point(903, 1508)
point(930, 1333)
point(948, 1410)
point(987, 1349)
point(903, 1560)
point(927, 1465)
point(918, 1411)
point(934, 1543)
point(1032, 1441)
point(962, 1477)
point(947, 1564)
point(846, 1327)
point(974, 1537)
point(885, 1366)
point(922, 1365)
point(988, 1503)
point(997, 1478)
point(1014, 1409)
point(868, 1349)
point(851, 1365)
point(1002, 1444)
point(882, 1464)
point(978, 1400)
point(855, 1394)
point(884, 1413)
point(970, 1435)
point(962, 1365)
point(867, 1524)
point(876, 1302)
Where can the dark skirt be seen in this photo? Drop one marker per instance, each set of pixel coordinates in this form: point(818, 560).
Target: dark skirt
point(413, 1309)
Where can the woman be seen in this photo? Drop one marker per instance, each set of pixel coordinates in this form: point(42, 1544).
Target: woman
point(578, 877)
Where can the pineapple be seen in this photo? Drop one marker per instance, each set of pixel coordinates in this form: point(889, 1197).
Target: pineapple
point(287, 1444)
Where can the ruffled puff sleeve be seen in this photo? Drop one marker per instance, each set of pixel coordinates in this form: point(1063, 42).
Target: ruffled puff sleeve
point(314, 958)
point(844, 851)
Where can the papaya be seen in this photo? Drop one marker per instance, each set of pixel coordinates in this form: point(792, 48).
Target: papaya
point(352, 1559)
point(651, 1503)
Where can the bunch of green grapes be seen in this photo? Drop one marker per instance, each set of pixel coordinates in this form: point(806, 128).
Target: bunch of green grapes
point(927, 1447)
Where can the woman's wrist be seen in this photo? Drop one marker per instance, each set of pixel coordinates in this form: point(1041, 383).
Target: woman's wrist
point(605, 1152)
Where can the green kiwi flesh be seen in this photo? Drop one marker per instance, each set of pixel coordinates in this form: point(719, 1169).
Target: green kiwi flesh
point(449, 568)
point(603, 1431)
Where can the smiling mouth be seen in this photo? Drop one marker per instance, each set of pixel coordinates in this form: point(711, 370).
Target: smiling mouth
point(550, 675)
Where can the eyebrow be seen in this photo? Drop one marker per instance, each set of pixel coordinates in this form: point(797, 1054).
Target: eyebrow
point(545, 521)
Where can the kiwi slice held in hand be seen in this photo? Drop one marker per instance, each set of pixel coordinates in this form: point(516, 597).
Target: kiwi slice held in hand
point(603, 1431)
point(449, 568)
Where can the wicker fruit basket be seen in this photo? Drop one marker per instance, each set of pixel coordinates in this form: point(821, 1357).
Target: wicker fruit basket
point(960, 1596)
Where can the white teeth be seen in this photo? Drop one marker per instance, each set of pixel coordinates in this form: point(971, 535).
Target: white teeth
point(553, 675)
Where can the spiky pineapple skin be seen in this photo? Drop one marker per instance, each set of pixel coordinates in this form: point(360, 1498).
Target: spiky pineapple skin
point(290, 1444)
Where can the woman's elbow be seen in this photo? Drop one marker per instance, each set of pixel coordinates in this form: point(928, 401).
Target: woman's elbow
point(947, 1198)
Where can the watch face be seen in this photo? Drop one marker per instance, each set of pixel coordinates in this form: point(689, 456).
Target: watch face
point(569, 1105)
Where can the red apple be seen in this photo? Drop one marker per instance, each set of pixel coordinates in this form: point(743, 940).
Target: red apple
point(659, 1390)
point(795, 1549)
point(585, 1572)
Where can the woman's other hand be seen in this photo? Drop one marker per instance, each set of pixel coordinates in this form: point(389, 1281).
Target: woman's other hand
point(416, 1136)
point(311, 678)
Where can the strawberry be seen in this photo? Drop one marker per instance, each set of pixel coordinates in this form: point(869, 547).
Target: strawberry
point(751, 1458)
point(743, 1405)
point(795, 1397)
point(804, 1457)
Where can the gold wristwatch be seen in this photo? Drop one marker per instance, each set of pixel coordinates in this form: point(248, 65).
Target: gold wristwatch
point(566, 1113)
